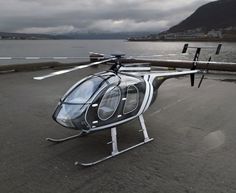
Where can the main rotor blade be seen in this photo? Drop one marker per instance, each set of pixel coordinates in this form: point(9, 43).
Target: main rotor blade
point(72, 69)
point(219, 66)
point(44, 58)
point(156, 55)
point(177, 62)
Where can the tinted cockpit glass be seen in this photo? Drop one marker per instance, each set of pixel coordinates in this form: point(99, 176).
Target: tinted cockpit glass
point(132, 99)
point(83, 92)
point(109, 103)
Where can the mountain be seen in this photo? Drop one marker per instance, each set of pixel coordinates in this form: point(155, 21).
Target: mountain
point(22, 36)
point(215, 21)
point(215, 15)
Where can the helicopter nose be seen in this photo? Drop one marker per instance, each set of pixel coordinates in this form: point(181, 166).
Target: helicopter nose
point(65, 122)
point(68, 115)
point(64, 118)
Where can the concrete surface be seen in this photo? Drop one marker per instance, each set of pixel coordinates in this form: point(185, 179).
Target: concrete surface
point(194, 148)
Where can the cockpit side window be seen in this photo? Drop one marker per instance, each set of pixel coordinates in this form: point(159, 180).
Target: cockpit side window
point(109, 103)
point(84, 91)
point(132, 99)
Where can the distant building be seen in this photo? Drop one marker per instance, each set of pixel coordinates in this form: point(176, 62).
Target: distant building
point(229, 28)
point(214, 34)
point(189, 34)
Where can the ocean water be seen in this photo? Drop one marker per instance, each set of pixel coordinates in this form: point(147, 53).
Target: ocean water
point(81, 48)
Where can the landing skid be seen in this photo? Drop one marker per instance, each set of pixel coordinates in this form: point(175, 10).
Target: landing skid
point(112, 155)
point(115, 150)
point(66, 138)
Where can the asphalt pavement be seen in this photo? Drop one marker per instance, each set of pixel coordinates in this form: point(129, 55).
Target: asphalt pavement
point(194, 148)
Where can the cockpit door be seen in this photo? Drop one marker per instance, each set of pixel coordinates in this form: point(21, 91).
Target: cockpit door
point(109, 103)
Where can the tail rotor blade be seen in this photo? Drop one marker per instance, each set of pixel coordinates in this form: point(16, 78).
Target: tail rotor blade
point(218, 49)
point(209, 60)
point(185, 48)
point(200, 83)
point(72, 69)
point(192, 78)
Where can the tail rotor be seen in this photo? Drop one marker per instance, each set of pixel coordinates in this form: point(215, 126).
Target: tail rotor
point(196, 58)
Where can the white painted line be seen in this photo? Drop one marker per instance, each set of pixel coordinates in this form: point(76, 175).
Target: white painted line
point(6, 71)
point(60, 58)
point(32, 58)
point(5, 58)
point(158, 55)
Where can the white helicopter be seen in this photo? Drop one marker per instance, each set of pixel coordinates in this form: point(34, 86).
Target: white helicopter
point(108, 99)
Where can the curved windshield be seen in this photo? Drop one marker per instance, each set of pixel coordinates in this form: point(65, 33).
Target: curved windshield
point(83, 92)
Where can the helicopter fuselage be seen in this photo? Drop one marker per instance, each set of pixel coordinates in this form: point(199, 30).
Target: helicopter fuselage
point(105, 100)
point(111, 98)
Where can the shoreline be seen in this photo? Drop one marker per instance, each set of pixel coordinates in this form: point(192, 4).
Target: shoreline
point(182, 40)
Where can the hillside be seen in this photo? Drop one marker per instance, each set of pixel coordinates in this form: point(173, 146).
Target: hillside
point(215, 15)
point(22, 36)
point(215, 21)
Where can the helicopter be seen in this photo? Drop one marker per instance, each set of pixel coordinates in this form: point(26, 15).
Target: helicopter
point(107, 99)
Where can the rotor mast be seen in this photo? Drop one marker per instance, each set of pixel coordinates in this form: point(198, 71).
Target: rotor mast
point(115, 67)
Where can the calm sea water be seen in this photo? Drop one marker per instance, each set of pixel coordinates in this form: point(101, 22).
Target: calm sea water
point(51, 48)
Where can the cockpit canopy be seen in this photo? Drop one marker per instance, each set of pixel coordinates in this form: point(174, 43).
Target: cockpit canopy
point(80, 96)
point(84, 91)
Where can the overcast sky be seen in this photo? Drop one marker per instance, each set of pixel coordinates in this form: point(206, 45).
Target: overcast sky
point(61, 16)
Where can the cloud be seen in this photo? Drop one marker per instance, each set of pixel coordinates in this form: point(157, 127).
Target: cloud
point(60, 16)
point(127, 25)
point(49, 30)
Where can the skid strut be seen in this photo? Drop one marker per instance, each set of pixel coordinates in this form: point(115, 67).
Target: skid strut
point(115, 150)
point(82, 133)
